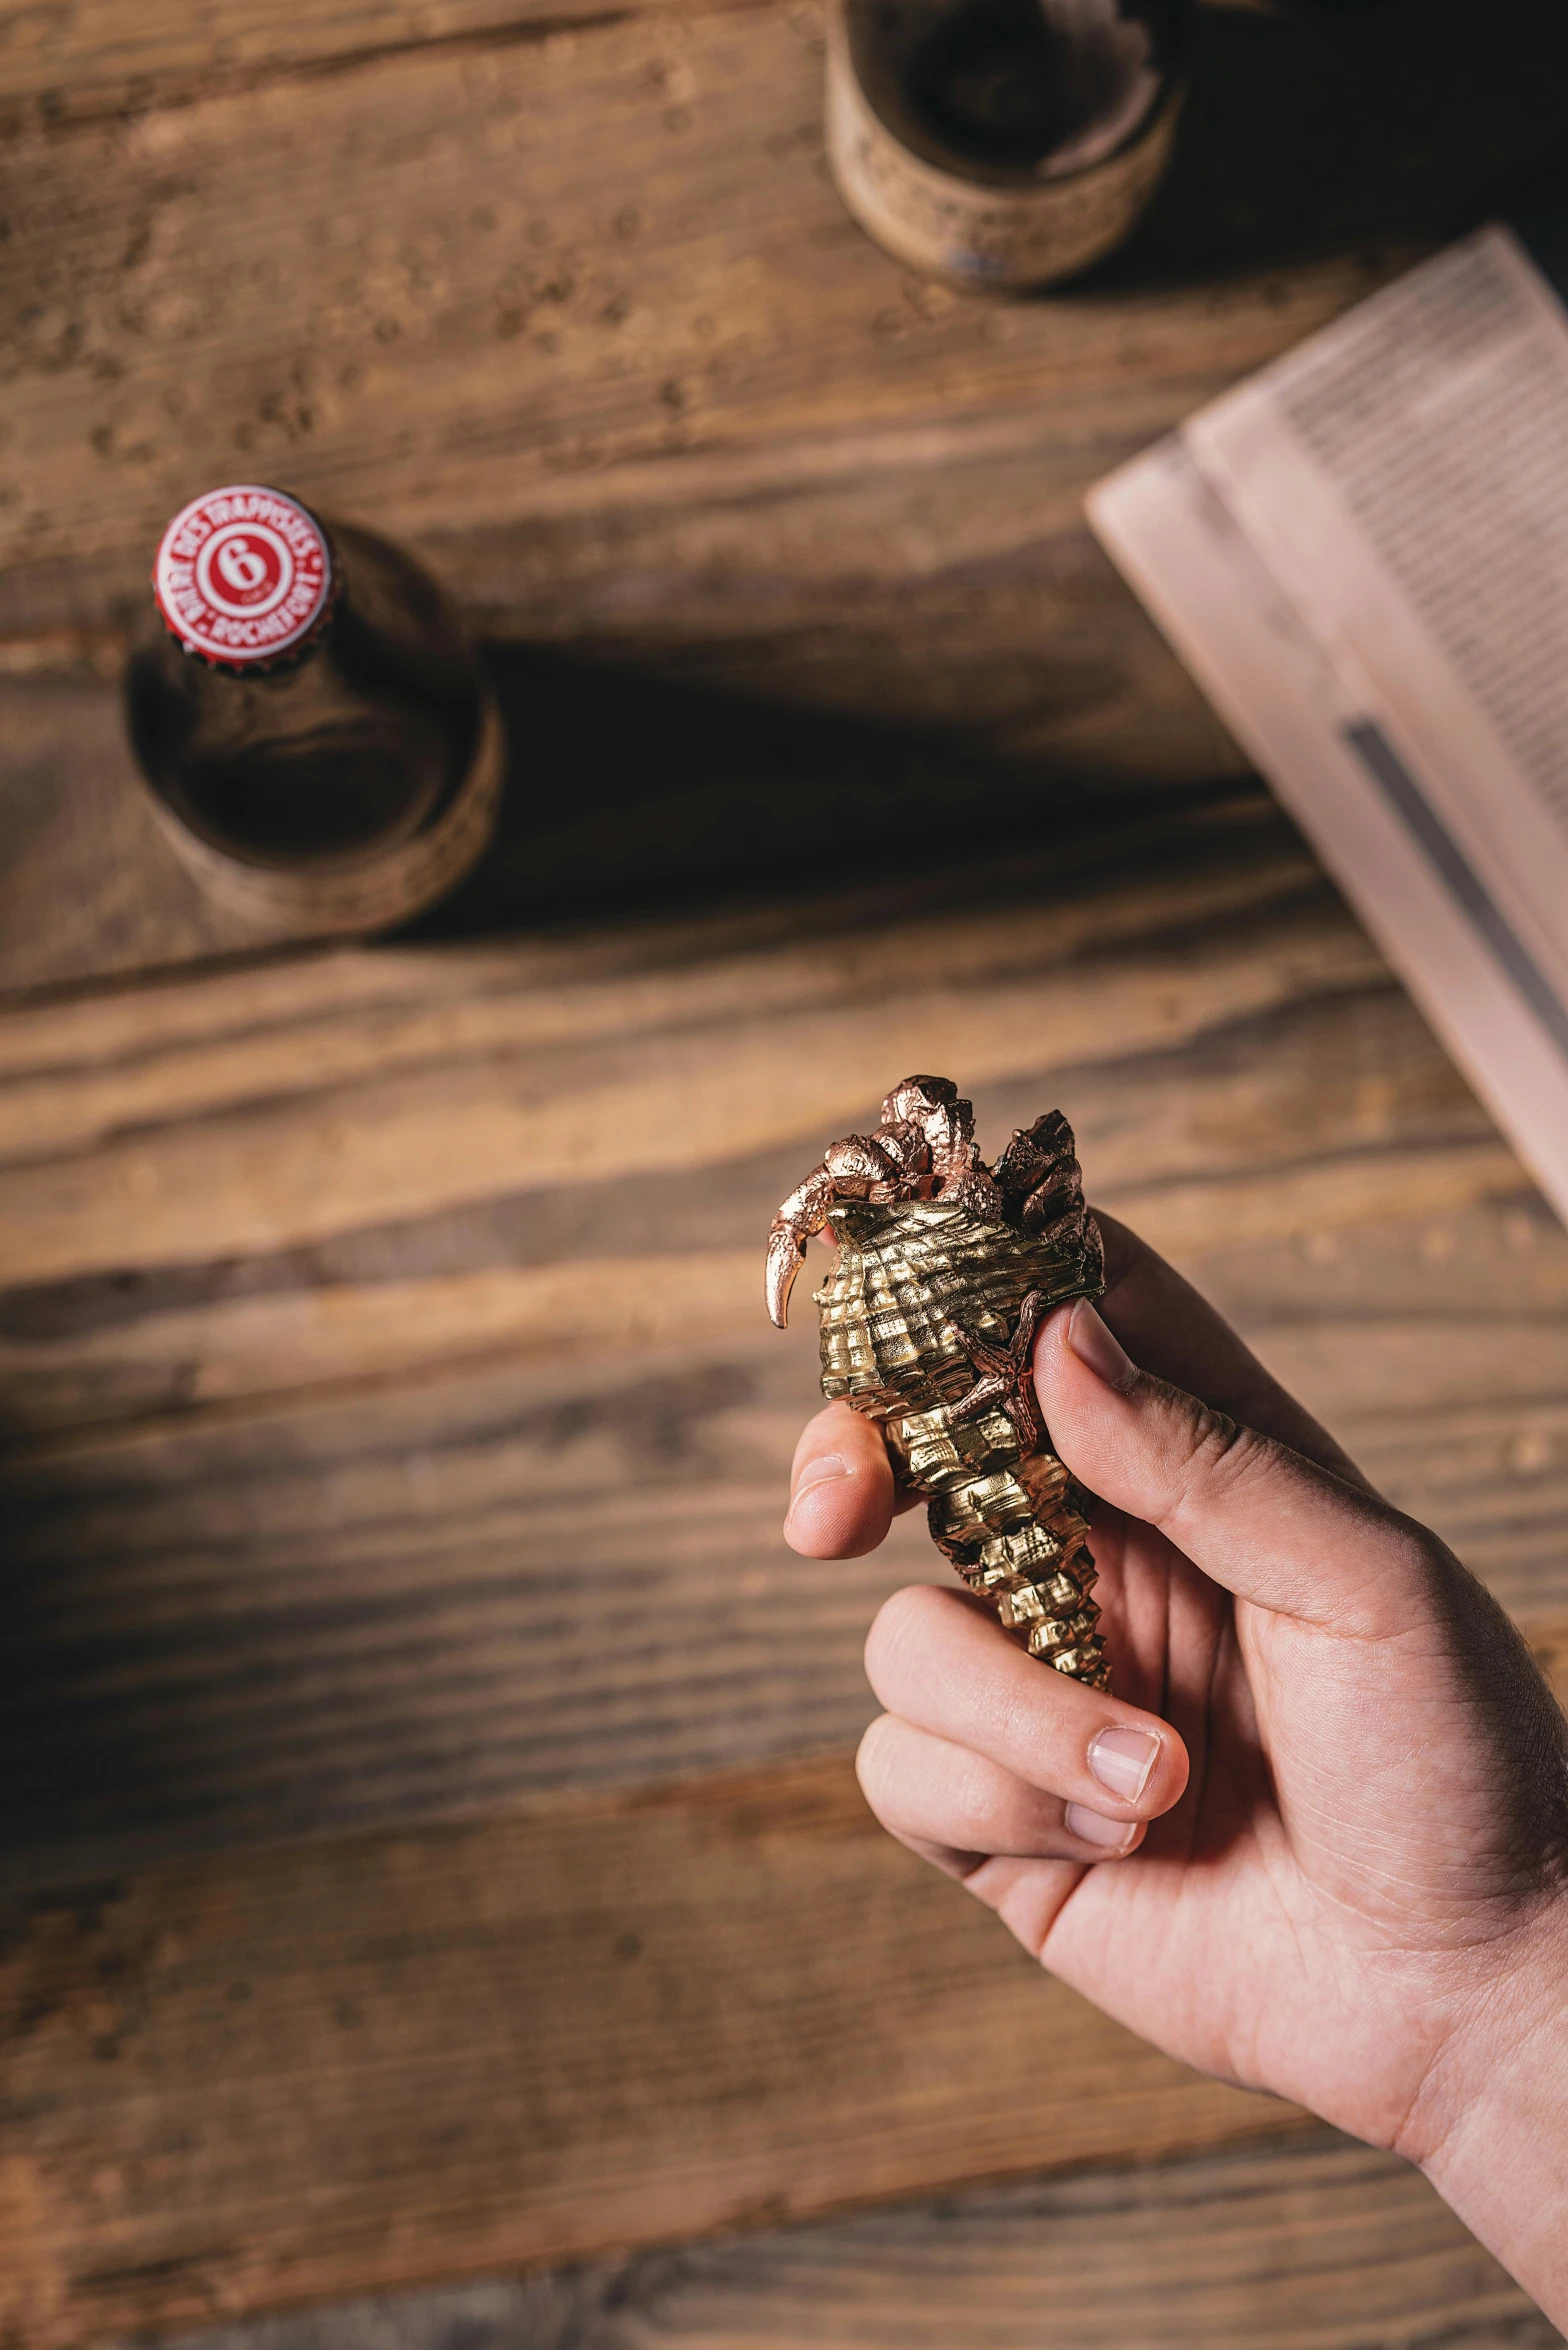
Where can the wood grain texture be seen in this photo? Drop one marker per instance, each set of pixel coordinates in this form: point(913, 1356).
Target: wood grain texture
point(1317, 2244)
point(381, 1328)
point(328, 1501)
point(419, 266)
point(89, 885)
point(432, 1598)
point(97, 57)
point(387, 1428)
point(484, 1072)
point(591, 2024)
point(585, 320)
point(473, 281)
point(588, 2025)
point(577, 314)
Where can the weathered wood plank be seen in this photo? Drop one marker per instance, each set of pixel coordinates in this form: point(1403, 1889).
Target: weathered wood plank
point(586, 319)
point(380, 1333)
point(76, 1069)
point(294, 1175)
point(586, 2024)
point(266, 1112)
point(493, 321)
point(445, 1593)
point(583, 319)
point(478, 323)
point(1318, 2244)
point(591, 2025)
point(636, 1265)
point(310, 1165)
point(97, 57)
point(430, 1599)
point(89, 885)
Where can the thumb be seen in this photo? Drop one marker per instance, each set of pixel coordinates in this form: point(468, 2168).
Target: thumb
point(1269, 1525)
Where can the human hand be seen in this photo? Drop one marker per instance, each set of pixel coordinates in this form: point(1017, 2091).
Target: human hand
point(1333, 1784)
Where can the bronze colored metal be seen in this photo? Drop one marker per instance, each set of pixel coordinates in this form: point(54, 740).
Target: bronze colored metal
point(942, 1271)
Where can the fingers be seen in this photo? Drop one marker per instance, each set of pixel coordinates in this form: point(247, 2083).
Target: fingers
point(945, 1668)
point(956, 1807)
point(841, 1487)
point(1254, 1515)
point(1169, 1329)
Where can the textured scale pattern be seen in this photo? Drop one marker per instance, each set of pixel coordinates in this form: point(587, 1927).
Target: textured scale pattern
point(928, 1316)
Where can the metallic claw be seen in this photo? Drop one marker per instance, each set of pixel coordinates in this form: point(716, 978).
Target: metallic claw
point(802, 1214)
point(786, 1255)
point(925, 1146)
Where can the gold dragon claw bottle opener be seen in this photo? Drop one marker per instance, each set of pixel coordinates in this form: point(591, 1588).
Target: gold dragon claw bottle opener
point(942, 1271)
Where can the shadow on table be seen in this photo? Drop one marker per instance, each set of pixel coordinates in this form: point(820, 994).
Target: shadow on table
point(1316, 128)
point(1310, 128)
point(632, 793)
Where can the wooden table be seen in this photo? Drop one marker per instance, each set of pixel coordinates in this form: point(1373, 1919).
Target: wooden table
point(430, 1843)
point(433, 1844)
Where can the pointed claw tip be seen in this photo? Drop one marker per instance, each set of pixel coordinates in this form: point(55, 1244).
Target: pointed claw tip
point(786, 1254)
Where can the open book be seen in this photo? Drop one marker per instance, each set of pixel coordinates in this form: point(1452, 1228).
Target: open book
point(1362, 556)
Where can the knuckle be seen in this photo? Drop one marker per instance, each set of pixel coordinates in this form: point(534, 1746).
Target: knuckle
point(1413, 1567)
point(980, 1798)
point(1217, 1456)
point(1423, 1556)
point(1002, 1814)
point(1023, 1711)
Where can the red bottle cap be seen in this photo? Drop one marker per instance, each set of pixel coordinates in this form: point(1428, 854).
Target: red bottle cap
point(244, 577)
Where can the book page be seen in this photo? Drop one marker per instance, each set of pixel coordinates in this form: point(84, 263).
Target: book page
point(1407, 473)
point(1340, 551)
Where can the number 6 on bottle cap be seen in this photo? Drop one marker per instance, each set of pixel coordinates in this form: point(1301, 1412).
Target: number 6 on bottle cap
point(244, 576)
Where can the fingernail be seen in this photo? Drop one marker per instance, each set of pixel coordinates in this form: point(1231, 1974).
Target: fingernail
point(824, 1470)
point(1092, 1828)
point(821, 1471)
point(1122, 1760)
point(1093, 1344)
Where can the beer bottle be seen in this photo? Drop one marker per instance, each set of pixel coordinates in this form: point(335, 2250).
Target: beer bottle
point(322, 747)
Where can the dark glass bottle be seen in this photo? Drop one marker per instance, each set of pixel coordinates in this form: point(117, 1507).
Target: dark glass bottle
point(1005, 144)
point(1021, 84)
point(316, 730)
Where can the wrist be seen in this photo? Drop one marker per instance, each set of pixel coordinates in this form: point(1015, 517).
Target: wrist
point(1490, 2128)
